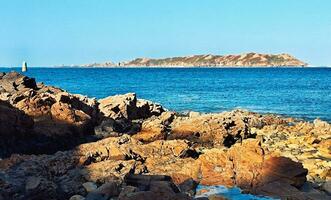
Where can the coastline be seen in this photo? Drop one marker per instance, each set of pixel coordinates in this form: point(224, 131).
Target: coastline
point(133, 145)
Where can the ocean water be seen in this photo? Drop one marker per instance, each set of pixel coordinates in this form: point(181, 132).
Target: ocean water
point(298, 92)
point(229, 193)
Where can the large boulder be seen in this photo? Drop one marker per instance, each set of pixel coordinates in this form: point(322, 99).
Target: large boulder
point(60, 120)
point(13, 81)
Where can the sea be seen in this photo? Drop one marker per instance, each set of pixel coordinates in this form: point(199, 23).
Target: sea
point(303, 93)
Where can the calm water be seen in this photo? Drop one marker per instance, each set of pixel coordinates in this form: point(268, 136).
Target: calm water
point(301, 92)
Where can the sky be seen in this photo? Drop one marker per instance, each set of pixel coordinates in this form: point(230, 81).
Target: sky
point(56, 32)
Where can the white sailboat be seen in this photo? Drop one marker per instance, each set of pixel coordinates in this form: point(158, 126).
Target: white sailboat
point(24, 66)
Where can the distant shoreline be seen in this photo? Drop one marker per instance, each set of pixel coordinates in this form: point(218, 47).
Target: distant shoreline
point(207, 60)
point(173, 67)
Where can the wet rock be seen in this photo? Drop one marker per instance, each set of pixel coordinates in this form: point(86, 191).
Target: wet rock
point(327, 187)
point(216, 197)
point(32, 183)
point(188, 187)
point(95, 196)
point(77, 197)
point(160, 187)
point(90, 186)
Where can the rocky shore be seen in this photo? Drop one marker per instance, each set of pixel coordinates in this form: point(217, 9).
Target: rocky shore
point(57, 145)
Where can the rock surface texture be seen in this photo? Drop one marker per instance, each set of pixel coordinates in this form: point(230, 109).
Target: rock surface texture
point(56, 145)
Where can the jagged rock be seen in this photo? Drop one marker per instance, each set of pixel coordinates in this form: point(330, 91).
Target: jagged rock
point(212, 129)
point(127, 106)
point(14, 81)
point(155, 128)
point(147, 109)
point(111, 127)
point(60, 120)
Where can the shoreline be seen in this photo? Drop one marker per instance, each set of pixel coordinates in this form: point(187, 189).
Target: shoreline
point(87, 146)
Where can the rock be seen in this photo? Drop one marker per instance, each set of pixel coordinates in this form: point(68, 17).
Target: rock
point(212, 129)
point(108, 189)
point(159, 187)
point(14, 81)
point(313, 140)
point(127, 106)
point(32, 183)
point(216, 197)
point(192, 114)
point(152, 153)
point(216, 168)
point(155, 128)
point(95, 196)
point(113, 128)
point(71, 110)
point(15, 127)
point(77, 197)
point(58, 120)
point(90, 186)
point(147, 109)
point(119, 106)
point(327, 187)
point(127, 191)
point(188, 187)
point(106, 171)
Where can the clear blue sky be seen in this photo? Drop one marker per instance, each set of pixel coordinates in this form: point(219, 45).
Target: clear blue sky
point(54, 32)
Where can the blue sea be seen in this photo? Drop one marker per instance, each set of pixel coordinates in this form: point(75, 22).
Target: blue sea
point(298, 92)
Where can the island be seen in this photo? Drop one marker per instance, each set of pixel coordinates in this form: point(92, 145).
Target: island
point(208, 60)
